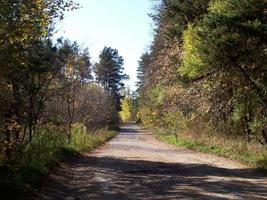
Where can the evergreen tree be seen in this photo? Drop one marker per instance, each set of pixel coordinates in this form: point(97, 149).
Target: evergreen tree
point(109, 70)
point(227, 49)
point(109, 73)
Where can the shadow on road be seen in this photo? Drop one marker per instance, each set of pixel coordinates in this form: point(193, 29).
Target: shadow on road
point(113, 178)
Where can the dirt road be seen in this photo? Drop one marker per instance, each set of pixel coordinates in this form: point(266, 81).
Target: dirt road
point(134, 165)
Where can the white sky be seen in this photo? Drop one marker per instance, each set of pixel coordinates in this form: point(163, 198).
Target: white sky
point(121, 24)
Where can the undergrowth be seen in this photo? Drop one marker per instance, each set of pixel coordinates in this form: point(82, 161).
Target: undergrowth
point(250, 153)
point(33, 161)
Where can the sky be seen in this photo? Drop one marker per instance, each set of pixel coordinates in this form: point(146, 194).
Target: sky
point(121, 24)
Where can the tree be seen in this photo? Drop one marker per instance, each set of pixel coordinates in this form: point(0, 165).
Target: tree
point(109, 70)
point(207, 63)
point(109, 73)
point(141, 70)
point(94, 108)
point(75, 73)
point(37, 79)
point(227, 49)
point(23, 24)
point(175, 15)
point(125, 112)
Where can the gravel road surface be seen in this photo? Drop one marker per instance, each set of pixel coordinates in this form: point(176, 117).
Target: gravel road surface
point(134, 165)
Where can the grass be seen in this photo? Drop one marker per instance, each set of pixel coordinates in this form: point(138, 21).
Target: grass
point(33, 161)
point(82, 141)
point(249, 153)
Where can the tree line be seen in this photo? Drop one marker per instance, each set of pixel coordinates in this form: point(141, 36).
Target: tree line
point(51, 83)
point(206, 69)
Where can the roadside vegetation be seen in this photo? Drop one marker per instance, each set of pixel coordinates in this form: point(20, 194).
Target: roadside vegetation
point(54, 102)
point(203, 80)
point(129, 108)
point(33, 161)
point(249, 153)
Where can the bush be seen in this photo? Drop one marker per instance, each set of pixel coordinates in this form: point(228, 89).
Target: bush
point(49, 146)
point(82, 141)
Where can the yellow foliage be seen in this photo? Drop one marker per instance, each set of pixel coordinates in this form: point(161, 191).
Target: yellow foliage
point(125, 114)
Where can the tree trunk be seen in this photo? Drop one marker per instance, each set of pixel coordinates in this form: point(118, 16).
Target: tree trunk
point(8, 141)
point(264, 134)
point(70, 121)
point(248, 131)
point(30, 124)
point(69, 132)
point(24, 133)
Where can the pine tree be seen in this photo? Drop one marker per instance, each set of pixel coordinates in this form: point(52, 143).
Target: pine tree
point(109, 70)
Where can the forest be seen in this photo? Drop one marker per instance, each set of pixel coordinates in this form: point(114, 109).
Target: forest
point(203, 80)
point(202, 84)
point(54, 101)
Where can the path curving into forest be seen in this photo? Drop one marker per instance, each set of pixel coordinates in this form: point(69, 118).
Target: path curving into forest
point(134, 165)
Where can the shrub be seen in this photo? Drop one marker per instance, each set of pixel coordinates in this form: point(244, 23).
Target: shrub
point(49, 146)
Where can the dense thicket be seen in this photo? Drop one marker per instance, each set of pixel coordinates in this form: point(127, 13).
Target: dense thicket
point(206, 69)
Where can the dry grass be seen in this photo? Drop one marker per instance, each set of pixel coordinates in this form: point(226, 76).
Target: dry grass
point(237, 148)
